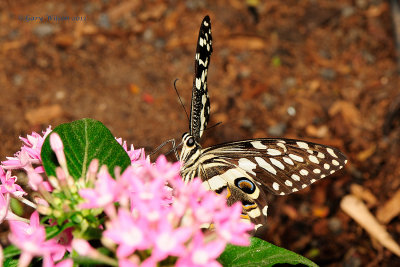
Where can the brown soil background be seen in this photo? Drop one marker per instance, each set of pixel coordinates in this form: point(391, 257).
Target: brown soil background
point(323, 71)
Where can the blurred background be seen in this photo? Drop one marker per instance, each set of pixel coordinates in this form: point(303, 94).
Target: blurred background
point(323, 71)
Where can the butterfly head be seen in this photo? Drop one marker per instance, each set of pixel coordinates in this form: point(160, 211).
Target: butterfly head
point(191, 149)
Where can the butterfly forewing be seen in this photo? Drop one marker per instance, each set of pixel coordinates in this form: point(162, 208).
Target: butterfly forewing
point(281, 166)
point(200, 108)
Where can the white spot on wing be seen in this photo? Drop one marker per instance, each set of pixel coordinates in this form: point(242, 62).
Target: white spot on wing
point(265, 210)
point(282, 145)
point(335, 162)
point(265, 165)
point(303, 172)
point(317, 171)
point(331, 152)
point(275, 186)
point(288, 183)
point(254, 213)
point(313, 159)
point(295, 177)
point(277, 163)
point(258, 145)
point(203, 76)
point(326, 166)
point(273, 152)
point(201, 40)
point(198, 83)
point(288, 160)
point(247, 165)
point(321, 155)
point(302, 145)
point(296, 158)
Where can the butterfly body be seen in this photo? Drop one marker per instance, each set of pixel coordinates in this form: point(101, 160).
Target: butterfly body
point(248, 170)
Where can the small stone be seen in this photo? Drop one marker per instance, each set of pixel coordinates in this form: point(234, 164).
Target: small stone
point(269, 101)
point(277, 130)
point(104, 21)
point(159, 43)
point(352, 261)
point(43, 30)
point(247, 123)
point(335, 225)
point(291, 111)
point(290, 82)
point(369, 58)
point(325, 53)
point(148, 35)
point(363, 4)
point(347, 11)
point(328, 74)
point(60, 95)
point(18, 80)
point(193, 4)
point(91, 8)
point(244, 73)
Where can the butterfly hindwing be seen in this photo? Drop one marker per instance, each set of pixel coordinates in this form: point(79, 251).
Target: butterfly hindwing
point(239, 186)
point(200, 107)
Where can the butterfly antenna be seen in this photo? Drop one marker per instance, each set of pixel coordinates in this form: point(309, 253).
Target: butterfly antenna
point(208, 128)
point(180, 100)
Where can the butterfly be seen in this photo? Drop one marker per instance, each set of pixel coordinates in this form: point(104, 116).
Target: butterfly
point(249, 169)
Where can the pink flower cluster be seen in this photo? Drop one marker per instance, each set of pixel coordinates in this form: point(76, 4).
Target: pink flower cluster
point(153, 218)
point(29, 155)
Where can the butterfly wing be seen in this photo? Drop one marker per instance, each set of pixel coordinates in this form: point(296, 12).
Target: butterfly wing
point(259, 166)
point(200, 108)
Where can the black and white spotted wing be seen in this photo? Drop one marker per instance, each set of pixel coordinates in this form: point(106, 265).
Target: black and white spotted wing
point(200, 108)
point(279, 166)
point(248, 170)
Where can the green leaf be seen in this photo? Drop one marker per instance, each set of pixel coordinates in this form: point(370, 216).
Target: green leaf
point(53, 231)
point(11, 251)
point(260, 253)
point(11, 262)
point(85, 140)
